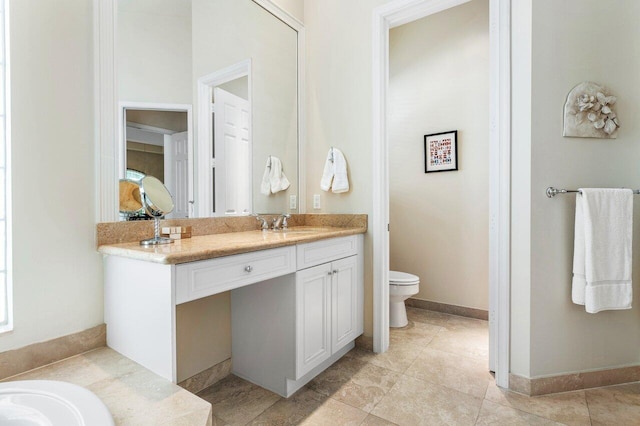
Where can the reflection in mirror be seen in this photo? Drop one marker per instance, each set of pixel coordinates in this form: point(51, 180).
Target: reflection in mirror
point(225, 145)
point(157, 144)
point(165, 48)
point(231, 148)
point(157, 202)
point(130, 201)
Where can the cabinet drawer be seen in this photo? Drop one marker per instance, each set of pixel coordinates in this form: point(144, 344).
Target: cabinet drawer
point(316, 253)
point(200, 279)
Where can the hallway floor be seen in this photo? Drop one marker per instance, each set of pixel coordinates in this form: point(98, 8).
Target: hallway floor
point(435, 373)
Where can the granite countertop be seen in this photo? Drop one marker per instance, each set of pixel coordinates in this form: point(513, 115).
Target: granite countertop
point(217, 245)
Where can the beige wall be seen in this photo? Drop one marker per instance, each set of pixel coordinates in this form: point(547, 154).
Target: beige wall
point(338, 110)
point(238, 87)
point(146, 158)
point(171, 120)
point(439, 81)
point(563, 337)
point(204, 334)
point(294, 7)
point(154, 51)
point(57, 272)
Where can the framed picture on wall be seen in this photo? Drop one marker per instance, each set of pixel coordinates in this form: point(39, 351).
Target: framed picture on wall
point(441, 152)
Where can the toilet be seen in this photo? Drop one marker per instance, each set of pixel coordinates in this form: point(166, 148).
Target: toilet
point(401, 287)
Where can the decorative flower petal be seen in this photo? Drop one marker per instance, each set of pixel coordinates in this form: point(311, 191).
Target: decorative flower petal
point(610, 127)
point(599, 124)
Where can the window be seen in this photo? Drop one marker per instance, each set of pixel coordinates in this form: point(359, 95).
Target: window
point(6, 317)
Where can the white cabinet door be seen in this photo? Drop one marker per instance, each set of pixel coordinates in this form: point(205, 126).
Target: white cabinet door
point(344, 300)
point(313, 318)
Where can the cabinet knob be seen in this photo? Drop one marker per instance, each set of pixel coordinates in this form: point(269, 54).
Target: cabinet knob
point(248, 268)
point(330, 273)
point(335, 271)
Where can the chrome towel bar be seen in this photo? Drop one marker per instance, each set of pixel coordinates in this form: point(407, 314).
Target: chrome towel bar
point(552, 192)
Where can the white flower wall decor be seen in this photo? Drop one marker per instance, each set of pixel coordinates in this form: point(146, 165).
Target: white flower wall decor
point(590, 112)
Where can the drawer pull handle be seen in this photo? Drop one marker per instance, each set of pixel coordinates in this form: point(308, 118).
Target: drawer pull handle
point(248, 268)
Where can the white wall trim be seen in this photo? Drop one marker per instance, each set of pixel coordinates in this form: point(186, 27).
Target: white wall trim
point(398, 13)
point(105, 110)
point(106, 105)
point(500, 189)
point(145, 136)
point(204, 86)
point(281, 14)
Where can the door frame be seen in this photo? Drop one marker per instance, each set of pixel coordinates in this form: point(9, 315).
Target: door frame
point(397, 13)
point(121, 146)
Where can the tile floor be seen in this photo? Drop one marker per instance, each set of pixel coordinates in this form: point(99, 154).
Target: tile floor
point(435, 373)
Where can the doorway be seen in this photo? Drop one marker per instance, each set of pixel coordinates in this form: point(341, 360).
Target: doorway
point(395, 14)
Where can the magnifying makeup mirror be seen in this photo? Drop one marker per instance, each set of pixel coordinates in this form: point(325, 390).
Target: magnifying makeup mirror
point(157, 202)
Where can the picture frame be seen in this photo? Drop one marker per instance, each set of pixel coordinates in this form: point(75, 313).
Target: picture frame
point(441, 152)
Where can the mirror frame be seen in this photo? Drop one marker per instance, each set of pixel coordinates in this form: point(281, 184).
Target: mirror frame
point(106, 110)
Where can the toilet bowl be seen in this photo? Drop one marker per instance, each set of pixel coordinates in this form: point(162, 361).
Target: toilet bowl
point(401, 287)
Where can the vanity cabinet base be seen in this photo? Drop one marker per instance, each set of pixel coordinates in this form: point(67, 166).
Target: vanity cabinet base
point(139, 310)
point(288, 323)
point(263, 343)
point(287, 330)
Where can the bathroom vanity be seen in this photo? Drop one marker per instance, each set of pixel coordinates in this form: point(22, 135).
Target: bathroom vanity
point(296, 299)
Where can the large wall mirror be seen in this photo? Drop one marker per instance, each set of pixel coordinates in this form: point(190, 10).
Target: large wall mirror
point(205, 96)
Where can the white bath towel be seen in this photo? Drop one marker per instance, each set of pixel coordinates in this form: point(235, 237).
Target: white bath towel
point(273, 179)
point(335, 175)
point(602, 249)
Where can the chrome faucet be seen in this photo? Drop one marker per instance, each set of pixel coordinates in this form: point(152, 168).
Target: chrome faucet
point(264, 225)
point(280, 222)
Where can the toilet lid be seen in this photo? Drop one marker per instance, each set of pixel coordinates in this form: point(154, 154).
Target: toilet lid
point(402, 278)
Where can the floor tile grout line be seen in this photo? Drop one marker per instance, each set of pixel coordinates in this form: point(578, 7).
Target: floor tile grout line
point(586, 401)
point(448, 387)
point(262, 412)
point(479, 411)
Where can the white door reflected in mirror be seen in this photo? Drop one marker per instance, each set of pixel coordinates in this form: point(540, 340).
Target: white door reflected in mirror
point(231, 153)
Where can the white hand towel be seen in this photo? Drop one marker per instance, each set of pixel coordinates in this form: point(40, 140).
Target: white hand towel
point(340, 177)
point(602, 250)
point(277, 179)
point(327, 173)
point(334, 175)
point(265, 185)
